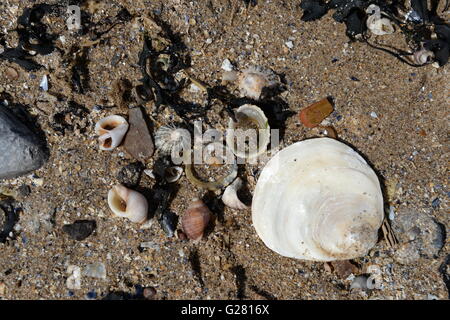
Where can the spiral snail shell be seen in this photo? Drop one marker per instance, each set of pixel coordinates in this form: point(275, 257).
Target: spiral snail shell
point(111, 131)
point(318, 200)
point(195, 219)
point(128, 203)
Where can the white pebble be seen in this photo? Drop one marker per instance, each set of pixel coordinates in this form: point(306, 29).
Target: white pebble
point(391, 213)
point(373, 115)
point(227, 66)
point(44, 83)
point(73, 282)
point(289, 44)
point(95, 270)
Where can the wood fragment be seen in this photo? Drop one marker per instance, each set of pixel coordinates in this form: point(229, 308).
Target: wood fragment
point(388, 234)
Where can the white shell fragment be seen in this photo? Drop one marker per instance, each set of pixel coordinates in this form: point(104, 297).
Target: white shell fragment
point(128, 203)
point(111, 130)
point(227, 66)
point(244, 142)
point(253, 80)
point(376, 24)
point(173, 174)
point(423, 56)
point(230, 197)
point(318, 200)
point(44, 83)
point(169, 138)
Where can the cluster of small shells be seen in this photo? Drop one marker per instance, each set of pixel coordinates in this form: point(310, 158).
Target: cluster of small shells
point(300, 207)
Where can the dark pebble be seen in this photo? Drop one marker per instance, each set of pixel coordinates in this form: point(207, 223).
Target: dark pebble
point(80, 229)
point(354, 78)
point(24, 190)
point(21, 150)
point(91, 295)
point(149, 293)
point(435, 203)
point(168, 223)
point(334, 60)
point(70, 293)
point(130, 175)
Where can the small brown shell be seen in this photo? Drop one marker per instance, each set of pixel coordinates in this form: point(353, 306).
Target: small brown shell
point(195, 219)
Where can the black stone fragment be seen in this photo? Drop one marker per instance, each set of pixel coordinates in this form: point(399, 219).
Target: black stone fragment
point(130, 175)
point(420, 7)
point(24, 190)
point(7, 220)
point(355, 23)
point(313, 9)
point(21, 149)
point(435, 203)
point(80, 229)
point(168, 222)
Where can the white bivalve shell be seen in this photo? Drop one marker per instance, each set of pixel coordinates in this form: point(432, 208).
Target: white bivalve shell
point(318, 200)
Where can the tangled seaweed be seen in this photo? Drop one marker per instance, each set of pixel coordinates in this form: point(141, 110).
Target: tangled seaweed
point(33, 37)
point(421, 26)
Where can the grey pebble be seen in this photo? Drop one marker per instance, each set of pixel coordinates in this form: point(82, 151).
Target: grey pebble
point(21, 150)
point(419, 234)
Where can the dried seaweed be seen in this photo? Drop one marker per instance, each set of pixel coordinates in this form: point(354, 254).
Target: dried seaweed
point(313, 10)
point(413, 17)
point(33, 37)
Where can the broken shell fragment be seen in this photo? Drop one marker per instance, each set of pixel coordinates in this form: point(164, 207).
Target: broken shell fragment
point(254, 80)
point(313, 115)
point(196, 219)
point(318, 200)
point(376, 24)
point(230, 198)
point(128, 203)
point(243, 136)
point(226, 157)
point(172, 174)
point(423, 56)
point(111, 130)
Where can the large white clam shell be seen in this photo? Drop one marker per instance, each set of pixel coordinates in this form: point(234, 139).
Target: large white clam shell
point(318, 200)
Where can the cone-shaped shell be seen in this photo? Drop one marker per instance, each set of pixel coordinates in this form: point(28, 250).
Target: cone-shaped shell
point(196, 219)
point(318, 200)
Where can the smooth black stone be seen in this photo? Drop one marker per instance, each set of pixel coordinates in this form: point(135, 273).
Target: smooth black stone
point(80, 229)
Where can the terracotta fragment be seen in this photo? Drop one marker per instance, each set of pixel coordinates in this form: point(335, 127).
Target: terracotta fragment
point(313, 115)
